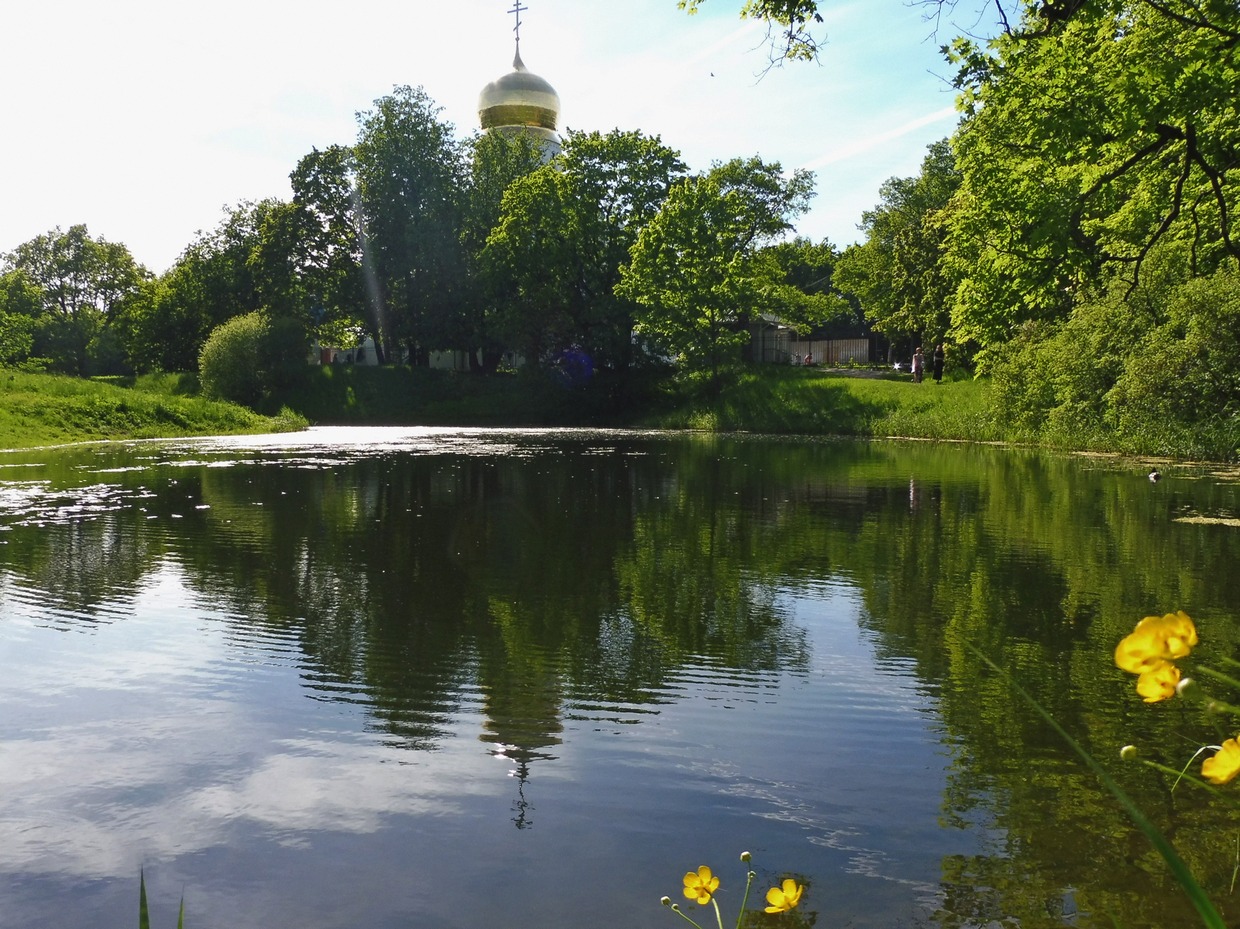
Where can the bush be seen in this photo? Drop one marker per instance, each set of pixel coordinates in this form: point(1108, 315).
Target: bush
point(249, 357)
point(229, 363)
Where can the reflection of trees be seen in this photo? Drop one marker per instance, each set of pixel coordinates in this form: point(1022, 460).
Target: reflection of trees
point(1044, 567)
point(571, 578)
point(412, 583)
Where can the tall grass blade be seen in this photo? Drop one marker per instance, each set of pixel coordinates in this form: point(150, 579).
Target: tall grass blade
point(1182, 873)
point(144, 916)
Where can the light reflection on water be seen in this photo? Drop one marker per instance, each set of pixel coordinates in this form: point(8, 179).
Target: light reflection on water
point(327, 679)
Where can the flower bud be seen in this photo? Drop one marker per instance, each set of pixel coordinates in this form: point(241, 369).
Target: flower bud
point(745, 856)
point(1128, 752)
point(666, 901)
point(1187, 688)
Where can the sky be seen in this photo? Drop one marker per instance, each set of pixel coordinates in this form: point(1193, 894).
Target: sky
point(145, 120)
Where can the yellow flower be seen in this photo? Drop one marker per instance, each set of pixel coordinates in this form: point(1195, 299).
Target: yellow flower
point(700, 885)
point(785, 897)
point(1156, 639)
point(1224, 764)
point(1159, 682)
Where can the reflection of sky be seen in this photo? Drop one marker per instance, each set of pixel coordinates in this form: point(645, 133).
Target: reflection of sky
point(146, 738)
point(175, 737)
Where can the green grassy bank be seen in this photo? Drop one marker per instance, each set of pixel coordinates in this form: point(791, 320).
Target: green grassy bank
point(48, 409)
point(768, 399)
point(41, 409)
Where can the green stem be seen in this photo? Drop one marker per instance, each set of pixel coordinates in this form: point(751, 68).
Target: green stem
point(745, 899)
point(718, 915)
point(1183, 874)
point(683, 915)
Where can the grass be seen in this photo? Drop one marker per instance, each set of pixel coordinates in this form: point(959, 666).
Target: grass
point(826, 402)
point(47, 409)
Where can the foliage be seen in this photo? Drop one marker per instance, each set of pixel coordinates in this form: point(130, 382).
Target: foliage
point(898, 274)
point(698, 269)
point(82, 285)
point(1151, 370)
point(410, 177)
point(497, 160)
point(1088, 141)
point(211, 282)
point(808, 297)
point(228, 365)
point(554, 256)
point(790, 25)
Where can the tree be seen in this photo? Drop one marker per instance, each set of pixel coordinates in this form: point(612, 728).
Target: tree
point(410, 175)
point(21, 304)
point(327, 259)
point(1088, 140)
point(564, 231)
point(807, 297)
point(496, 160)
point(83, 283)
point(697, 267)
point(212, 281)
point(899, 274)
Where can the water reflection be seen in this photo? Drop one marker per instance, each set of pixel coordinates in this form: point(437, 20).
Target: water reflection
point(656, 648)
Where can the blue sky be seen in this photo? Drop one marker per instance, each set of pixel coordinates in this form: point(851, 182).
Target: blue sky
point(145, 119)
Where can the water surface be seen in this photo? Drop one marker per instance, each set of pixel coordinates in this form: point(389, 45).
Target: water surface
point(357, 677)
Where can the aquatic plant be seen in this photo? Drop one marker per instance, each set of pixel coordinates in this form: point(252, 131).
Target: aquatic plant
point(144, 914)
point(700, 887)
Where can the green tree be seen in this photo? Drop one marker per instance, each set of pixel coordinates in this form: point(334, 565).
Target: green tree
point(212, 281)
point(410, 178)
point(790, 26)
point(229, 363)
point(327, 246)
point(249, 356)
point(84, 283)
point(898, 274)
point(564, 231)
point(496, 160)
point(698, 270)
point(21, 304)
point(1089, 138)
point(808, 296)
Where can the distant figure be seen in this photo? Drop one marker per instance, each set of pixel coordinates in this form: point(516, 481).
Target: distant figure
point(809, 358)
point(919, 365)
point(936, 363)
point(1155, 476)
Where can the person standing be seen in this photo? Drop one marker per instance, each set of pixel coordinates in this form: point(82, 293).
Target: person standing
point(936, 363)
point(919, 365)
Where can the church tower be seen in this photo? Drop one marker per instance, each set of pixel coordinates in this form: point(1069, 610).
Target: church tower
point(522, 102)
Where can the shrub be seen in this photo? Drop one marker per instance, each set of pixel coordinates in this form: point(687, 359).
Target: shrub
point(229, 363)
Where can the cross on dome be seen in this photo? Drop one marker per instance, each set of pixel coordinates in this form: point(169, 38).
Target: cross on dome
point(518, 9)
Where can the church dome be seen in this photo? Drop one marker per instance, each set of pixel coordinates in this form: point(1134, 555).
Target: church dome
point(520, 100)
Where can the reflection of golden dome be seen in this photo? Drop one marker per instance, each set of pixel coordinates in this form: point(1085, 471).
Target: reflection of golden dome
point(520, 101)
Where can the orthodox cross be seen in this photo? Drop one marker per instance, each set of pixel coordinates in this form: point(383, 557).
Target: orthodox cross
point(518, 9)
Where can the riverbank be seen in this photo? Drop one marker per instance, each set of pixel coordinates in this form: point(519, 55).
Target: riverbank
point(47, 409)
point(41, 409)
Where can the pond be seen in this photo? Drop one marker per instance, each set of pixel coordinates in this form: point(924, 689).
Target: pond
point(450, 678)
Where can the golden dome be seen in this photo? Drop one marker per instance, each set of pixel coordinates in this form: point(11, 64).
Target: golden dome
point(520, 100)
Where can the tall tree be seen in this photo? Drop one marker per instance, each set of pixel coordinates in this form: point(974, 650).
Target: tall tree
point(410, 178)
point(899, 274)
point(563, 234)
point(84, 283)
point(1089, 138)
point(698, 270)
point(212, 281)
point(496, 160)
